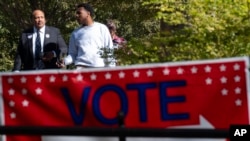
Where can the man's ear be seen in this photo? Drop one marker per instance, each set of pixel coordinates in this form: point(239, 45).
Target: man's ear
point(89, 13)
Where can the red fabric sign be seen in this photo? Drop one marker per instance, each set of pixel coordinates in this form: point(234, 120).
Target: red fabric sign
point(157, 95)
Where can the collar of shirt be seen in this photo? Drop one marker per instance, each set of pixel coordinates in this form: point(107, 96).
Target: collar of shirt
point(42, 30)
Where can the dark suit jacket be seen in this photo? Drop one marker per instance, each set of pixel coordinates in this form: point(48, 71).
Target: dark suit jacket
point(53, 41)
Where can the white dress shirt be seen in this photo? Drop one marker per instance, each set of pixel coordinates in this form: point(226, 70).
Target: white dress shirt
point(42, 32)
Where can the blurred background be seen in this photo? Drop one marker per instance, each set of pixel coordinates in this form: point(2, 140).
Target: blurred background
point(155, 30)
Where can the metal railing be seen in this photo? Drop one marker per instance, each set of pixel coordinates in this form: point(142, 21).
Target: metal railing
point(120, 132)
point(114, 132)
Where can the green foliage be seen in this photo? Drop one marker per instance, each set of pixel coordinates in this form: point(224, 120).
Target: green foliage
point(6, 59)
point(194, 30)
point(156, 30)
point(132, 19)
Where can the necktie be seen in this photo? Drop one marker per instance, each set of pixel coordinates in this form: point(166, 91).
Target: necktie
point(38, 46)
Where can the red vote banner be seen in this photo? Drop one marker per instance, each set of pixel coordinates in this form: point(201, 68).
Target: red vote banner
point(207, 94)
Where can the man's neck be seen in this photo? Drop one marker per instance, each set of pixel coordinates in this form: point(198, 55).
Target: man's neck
point(89, 23)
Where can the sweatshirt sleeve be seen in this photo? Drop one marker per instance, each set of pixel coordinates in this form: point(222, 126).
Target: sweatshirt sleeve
point(72, 51)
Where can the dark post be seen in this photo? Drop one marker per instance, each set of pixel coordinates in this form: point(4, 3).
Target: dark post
point(120, 118)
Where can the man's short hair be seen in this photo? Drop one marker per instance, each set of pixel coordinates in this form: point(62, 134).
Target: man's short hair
point(87, 7)
point(32, 16)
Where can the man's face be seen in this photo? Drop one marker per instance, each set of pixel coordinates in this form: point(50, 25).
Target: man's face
point(82, 15)
point(38, 19)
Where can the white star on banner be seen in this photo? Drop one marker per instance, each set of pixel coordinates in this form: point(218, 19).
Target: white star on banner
point(149, 73)
point(207, 69)
point(52, 79)
point(93, 76)
point(223, 80)
point(23, 79)
point(79, 77)
point(238, 102)
point(136, 73)
point(208, 81)
point(237, 90)
point(12, 115)
point(12, 103)
point(224, 91)
point(10, 80)
point(25, 103)
point(166, 71)
point(121, 74)
point(65, 78)
point(38, 79)
point(38, 91)
point(180, 71)
point(223, 68)
point(11, 91)
point(194, 70)
point(108, 76)
point(236, 67)
point(237, 78)
point(24, 91)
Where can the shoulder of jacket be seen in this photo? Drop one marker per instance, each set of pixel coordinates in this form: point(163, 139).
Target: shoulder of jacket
point(51, 27)
point(28, 30)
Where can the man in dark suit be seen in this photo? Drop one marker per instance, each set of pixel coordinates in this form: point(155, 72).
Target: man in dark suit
point(40, 47)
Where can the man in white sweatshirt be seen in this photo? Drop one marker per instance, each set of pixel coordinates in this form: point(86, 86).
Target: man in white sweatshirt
point(89, 42)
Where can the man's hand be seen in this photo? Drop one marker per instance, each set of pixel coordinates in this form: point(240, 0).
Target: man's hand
point(60, 64)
